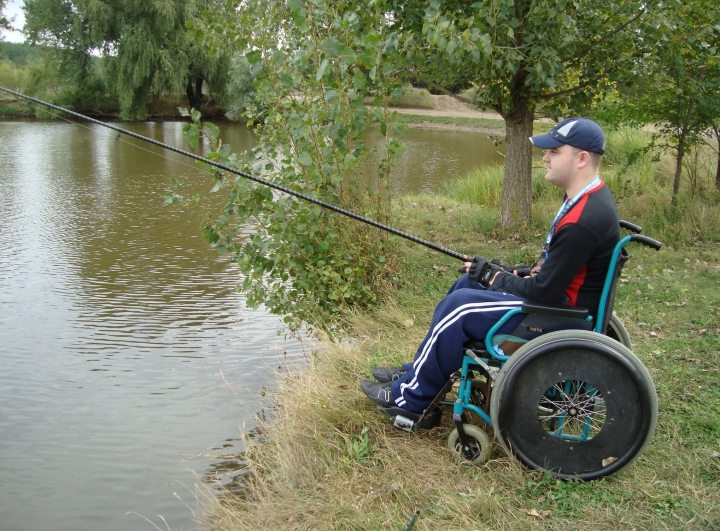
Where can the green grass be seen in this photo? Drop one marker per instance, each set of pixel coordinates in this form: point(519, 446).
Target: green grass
point(331, 461)
point(487, 123)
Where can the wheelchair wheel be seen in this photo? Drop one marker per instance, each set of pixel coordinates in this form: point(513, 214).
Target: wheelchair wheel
point(617, 331)
point(574, 403)
point(479, 445)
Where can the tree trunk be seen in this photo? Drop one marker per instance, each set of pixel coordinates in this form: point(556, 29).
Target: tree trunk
point(193, 91)
point(517, 185)
point(716, 130)
point(678, 165)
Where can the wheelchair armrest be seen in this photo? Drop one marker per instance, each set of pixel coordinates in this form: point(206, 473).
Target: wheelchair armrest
point(558, 310)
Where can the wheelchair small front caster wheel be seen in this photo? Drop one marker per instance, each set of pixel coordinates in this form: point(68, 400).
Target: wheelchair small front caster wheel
point(480, 445)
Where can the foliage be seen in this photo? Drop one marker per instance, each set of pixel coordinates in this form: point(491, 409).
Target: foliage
point(414, 97)
point(4, 21)
point(240, 95)
point(144, 43)
point(679, 90)
point(10, 75)
point(519, 54)
point(20, 54)
point(313, 65)
point(59, 27)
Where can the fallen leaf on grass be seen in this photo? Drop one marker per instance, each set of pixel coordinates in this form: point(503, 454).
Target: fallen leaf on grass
point(608, 461)
point(537, 514)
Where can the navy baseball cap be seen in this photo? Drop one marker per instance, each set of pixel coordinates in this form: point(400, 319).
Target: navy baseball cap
point(579, 132)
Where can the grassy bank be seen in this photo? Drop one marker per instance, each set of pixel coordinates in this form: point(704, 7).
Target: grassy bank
point(329, 460)
point(479, 123)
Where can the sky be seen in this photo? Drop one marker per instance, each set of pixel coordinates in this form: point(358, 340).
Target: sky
point(14, 9)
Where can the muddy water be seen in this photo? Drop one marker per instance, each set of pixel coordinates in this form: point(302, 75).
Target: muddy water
point(129, 366)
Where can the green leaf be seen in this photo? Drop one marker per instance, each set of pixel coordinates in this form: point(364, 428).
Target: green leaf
point(212, 129)
point(350, 161)
point(359, 79)
point(321, 70)
point(332, 47)
point(305, 159)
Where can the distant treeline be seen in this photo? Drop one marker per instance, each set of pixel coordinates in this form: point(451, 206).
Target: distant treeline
point(44, 72)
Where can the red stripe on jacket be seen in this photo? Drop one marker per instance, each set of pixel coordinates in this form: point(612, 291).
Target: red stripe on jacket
point(574, 288)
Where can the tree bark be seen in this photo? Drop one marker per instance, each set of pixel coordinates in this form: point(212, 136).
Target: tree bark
point(716, 130)
point(517, 186)
point(678, 165)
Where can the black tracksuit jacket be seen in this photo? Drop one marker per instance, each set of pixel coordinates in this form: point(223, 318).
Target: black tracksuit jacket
point(578, 256)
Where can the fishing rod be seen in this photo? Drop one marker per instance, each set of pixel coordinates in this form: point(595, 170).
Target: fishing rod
point(300, 195)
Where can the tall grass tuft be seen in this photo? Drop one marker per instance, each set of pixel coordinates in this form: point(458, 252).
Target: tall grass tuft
point(483, 186)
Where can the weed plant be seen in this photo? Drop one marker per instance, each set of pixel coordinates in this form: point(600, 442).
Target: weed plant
point(331, 461)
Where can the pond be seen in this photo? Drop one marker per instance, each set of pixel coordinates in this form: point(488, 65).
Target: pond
point(129, 366)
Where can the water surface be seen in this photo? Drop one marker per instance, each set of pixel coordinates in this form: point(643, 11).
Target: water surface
point(128, 363)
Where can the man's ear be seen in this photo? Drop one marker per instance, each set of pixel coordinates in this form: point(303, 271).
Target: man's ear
point(584, 159)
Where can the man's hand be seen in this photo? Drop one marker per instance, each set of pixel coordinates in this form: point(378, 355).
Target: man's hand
point(483, 270)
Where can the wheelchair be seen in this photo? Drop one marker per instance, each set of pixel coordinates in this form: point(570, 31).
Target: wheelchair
point(564, 393)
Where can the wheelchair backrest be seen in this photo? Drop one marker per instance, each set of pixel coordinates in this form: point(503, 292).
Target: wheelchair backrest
point(619, 257)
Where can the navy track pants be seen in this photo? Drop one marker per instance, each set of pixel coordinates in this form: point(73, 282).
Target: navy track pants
point(468, 311)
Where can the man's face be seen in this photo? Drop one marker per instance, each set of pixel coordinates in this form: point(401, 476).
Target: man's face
point(561, 165)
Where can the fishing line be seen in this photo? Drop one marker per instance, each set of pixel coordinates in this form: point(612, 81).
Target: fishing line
point(300, 195)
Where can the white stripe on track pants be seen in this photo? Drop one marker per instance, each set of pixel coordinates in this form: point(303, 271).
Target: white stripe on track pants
point(467, 311)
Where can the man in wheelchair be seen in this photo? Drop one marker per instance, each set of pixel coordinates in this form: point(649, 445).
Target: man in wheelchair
point(571, 270)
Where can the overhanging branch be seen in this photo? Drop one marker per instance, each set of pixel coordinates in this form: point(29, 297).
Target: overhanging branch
point(563, 92)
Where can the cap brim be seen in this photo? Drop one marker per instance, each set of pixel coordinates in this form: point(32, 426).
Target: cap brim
point(545, 142)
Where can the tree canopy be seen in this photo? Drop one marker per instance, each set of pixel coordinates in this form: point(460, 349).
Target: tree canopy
point(4, 21)
point(145, 44)
point(518, 55)
point(315, 65)
point(678, 85)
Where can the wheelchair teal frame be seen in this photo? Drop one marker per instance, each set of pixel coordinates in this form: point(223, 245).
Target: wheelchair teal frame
point(467, 440)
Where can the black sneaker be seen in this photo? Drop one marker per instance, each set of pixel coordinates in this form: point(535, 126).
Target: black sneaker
point(378, 392)
point(383, 374)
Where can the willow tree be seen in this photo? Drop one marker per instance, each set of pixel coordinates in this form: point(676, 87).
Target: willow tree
point(145, 45)
point(519, 54)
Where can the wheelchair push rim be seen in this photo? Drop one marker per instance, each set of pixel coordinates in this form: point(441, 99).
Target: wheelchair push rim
point(576, 404)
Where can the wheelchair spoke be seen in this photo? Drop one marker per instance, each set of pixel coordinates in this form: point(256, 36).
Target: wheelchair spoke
point(572, 410)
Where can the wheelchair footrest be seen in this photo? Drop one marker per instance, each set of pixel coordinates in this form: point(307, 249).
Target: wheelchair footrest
point(409, 421)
